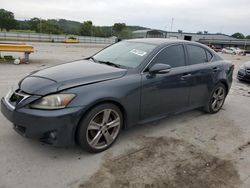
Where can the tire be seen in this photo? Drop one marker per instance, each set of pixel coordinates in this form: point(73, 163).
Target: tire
point(216, 99)
point(99, 129)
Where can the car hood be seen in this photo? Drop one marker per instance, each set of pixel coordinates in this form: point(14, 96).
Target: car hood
point(247, 65)
point(68, 75)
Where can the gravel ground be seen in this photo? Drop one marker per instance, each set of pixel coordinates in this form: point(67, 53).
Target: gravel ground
point(192, 149)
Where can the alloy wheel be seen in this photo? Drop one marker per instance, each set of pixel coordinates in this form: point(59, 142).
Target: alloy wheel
point(103, 128)
point(218, 98)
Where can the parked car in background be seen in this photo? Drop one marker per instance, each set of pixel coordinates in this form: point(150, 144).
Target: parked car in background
point(244, 72)
point(71, 40)
point(131, 82)
point(240, 51)
point(214, 48)
point(234, 51)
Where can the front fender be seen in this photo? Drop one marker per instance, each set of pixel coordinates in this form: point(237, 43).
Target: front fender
point(124, 92)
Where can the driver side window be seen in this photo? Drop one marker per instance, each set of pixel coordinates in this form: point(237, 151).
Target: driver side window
point(172, 55)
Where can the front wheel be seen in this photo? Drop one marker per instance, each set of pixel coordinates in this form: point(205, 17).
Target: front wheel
point(217, 99)
point(100, 128)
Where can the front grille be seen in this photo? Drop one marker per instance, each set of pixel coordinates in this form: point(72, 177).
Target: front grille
point(16, 97)
point(248, 71)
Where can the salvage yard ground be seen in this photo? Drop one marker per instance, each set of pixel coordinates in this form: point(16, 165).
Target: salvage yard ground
point(192, 149)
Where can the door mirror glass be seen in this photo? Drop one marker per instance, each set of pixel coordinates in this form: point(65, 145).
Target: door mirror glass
point(160, 68)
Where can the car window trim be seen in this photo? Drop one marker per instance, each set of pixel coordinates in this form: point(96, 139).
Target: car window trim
point(203, 49)
point(207, 51)
point(161, 51)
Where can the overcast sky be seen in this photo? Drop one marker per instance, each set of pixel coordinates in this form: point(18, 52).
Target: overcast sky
point(226, 16)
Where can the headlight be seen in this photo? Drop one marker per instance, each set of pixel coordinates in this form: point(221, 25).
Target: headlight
point(54, 101)
point(242, 68)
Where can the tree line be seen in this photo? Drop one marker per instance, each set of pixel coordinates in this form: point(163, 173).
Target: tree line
point(240, 36)
point(62, 26)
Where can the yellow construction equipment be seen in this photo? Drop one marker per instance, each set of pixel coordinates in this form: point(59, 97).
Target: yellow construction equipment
point(14, 47)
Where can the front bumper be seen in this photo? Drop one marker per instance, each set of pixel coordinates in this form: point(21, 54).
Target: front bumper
point(243, 75)
point(56, 127)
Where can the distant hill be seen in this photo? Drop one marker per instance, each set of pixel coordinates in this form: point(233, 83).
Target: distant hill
point(70, 27)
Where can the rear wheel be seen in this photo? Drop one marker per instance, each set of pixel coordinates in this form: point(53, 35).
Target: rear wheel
point(217, 99)
point(100, 128)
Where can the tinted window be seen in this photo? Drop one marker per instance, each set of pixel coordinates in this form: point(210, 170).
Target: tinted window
point(209, 56)
point(196, 54)
point(173, 56)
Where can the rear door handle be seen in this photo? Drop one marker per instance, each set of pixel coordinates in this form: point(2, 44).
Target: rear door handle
point(186, 76)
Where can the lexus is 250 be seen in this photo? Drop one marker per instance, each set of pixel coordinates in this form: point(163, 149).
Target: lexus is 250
point(88, 102)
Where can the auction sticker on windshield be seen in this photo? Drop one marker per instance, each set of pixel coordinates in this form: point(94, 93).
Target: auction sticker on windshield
point(138, 52)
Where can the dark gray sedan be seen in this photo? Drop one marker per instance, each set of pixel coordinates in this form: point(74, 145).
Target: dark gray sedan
point(131, 82)
point(244, 72)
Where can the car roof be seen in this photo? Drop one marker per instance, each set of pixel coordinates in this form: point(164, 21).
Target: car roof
point(159, 41)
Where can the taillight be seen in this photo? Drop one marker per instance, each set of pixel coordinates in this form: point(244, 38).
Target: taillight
point(231, 68)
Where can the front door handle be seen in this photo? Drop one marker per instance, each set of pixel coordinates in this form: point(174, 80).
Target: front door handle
point(186, 76)
point(215, 69)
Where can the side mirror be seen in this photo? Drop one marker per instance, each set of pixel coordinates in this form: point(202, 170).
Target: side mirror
point(160, 68)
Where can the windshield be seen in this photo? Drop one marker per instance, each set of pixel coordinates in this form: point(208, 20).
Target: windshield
point(125, 54)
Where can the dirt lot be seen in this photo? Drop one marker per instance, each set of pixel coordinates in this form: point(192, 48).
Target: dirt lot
point(192, 149)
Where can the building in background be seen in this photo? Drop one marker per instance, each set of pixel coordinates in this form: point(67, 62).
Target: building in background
point(217, 40)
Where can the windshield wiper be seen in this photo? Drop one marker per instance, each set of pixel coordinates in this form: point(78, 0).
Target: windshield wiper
point(111, 64)
point(106, 62)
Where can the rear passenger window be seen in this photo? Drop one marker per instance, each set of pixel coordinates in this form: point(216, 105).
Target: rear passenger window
point(172, 55)
point(209, 56)
point(196, 54)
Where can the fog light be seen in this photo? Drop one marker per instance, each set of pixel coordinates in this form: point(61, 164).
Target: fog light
point(52, 135)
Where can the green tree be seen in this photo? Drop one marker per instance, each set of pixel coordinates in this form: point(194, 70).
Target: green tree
point(118, 28)
point(98, 31)
point(23, 25)
point(48, 26)
point(122, 31)
point(248, 37)
point(7, 20)
point(33, 22)
point(238, 35)
point(125, 34)
point(69, 27)
point(86, 29)
point(107, 31)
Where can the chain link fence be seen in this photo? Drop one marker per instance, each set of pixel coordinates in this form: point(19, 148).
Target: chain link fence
point(39, 37)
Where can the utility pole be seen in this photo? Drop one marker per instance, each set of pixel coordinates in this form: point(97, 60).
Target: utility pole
point(245, 44)
point(172, 23)
point(40, 25)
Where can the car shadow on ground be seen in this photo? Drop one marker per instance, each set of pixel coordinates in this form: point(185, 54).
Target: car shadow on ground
point(125, 140)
